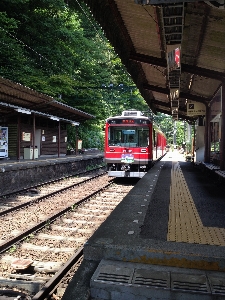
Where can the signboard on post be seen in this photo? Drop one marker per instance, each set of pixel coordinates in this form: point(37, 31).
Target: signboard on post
point(79, 144)
point(195, 108)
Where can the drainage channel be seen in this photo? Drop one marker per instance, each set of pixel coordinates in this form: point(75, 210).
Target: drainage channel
point(124, 280)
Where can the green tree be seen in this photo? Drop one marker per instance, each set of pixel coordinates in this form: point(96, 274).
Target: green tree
point(57, 48)
point(176, 131)
point(167, 125)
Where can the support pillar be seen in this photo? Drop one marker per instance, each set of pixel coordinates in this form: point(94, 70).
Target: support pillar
point(193, 141)
point(18, 136)
point(59, 137)
point(34, 128)
point(77, 151)
point(207, 135)
point(222, 140)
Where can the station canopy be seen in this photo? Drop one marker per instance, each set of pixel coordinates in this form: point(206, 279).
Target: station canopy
point(16, 98)
point(174, 51)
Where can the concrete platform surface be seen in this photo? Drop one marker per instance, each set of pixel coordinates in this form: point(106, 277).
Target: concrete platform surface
point(130, 281)
point(172, 218)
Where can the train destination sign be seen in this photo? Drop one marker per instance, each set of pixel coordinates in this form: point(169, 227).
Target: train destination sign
point(173, 59)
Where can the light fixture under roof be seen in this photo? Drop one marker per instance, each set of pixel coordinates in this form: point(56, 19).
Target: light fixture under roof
point(23, 111)
point(75, 123)
point(54, 118)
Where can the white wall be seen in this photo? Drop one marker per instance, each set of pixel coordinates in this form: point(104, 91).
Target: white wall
point(200, 143)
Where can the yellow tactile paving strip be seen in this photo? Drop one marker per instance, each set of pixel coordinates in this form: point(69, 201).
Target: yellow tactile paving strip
point(184, 223)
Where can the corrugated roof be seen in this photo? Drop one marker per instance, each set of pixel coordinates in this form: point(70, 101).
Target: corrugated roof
point(143, 34)
point(22, 96)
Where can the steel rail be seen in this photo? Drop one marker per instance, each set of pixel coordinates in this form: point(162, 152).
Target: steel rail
point(51, 285)
point(24, 234)
point(28, 203)
point(49, 182)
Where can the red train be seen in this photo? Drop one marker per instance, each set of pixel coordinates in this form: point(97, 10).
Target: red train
point(132, 143)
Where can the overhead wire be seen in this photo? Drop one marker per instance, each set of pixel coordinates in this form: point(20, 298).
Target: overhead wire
point(44, 58)
point(96, 30)
point(21, 42)
point(23, 55)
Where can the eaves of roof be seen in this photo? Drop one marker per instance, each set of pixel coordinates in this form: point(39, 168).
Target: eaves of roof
point(18, 95)
point(143, 36)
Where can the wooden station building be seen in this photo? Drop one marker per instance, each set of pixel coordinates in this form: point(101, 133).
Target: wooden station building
point(33, 124)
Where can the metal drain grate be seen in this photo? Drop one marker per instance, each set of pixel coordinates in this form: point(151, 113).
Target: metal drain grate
point(110, 273)
point(217, 284)
point(218, 289)
point(194, 283)
point(113, 278)
point(151, 278)
point(162, 282)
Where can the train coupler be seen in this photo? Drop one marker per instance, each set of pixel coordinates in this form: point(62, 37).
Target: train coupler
point(125, 168)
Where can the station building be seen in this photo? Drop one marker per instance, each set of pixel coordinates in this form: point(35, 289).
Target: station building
point(32, 124)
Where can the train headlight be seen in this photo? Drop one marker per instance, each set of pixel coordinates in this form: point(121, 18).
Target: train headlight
point(143, 167)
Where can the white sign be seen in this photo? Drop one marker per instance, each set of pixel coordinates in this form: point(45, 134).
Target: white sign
point(195, 108)
point(26, 136)
point(79, 144)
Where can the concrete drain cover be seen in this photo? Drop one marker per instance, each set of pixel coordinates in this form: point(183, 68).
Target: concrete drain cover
point(217, 283)
point(123, 280)
point(151, 278)
point(190, 282)
point(116, 274)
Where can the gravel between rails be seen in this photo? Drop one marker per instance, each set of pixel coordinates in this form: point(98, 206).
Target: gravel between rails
point(15, 222)
point(58, 241)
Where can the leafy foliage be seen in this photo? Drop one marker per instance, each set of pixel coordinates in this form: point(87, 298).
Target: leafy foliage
point(176, 131)
point(55, 47)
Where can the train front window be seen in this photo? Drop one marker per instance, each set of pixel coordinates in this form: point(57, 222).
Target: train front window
point(143, 137)
point(128, 136)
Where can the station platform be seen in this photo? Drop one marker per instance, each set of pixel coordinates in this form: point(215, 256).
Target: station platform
point(18, 174)
point(8, 162)
point(165, 240)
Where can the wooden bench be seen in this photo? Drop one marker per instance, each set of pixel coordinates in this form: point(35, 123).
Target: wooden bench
point(221, 175)
point(214, 170)
point(210, 169)
point(210, 166)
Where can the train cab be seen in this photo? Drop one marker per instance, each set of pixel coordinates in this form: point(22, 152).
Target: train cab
point(129, 145)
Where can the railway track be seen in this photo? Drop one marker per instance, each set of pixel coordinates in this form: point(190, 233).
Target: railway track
point(41, 241)
point(31, 194)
